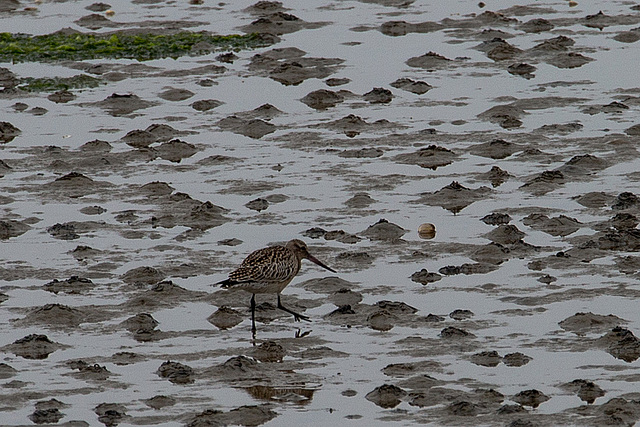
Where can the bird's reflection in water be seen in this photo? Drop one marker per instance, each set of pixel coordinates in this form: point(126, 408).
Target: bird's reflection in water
point(301, 334)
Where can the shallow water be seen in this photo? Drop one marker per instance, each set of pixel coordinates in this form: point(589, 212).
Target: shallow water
point(308, 169)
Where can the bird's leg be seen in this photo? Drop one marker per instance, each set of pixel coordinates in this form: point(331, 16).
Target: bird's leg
point(253, 315)
point(296, 316)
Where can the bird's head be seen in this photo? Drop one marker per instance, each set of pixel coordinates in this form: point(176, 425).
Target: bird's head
point(300, 249)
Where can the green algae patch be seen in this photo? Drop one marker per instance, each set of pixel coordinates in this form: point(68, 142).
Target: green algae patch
point(52, 84)
point(140, 46)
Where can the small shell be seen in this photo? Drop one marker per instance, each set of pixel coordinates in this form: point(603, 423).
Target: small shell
point(109, 12)
point(427, 231)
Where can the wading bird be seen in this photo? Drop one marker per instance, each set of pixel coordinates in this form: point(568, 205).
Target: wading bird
point(269, 271)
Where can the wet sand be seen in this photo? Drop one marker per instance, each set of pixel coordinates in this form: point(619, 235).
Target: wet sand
point(510, 129)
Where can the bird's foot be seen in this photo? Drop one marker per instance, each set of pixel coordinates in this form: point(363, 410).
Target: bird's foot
point(298, 317)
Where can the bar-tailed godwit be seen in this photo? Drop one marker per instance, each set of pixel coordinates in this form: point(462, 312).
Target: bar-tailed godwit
point(269, 271)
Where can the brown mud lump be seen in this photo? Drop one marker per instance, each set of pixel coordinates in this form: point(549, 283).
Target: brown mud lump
point(386, 396)
point(622, 344)
point(586, 390)
point(490, 359)
point(381, 320)
point(175, 372)
point(496, 218)
point(322, 99)
point(425, 277)
point(505, 234)
point(269, 351)
point(451, 332)
point(516, 359)
point(225, 318)
point(460, 314)
point(417, 87)
point(384, 230)
point(34, 346)
point(8, 132)
point(378, 95)
point(110, 414)
point(531, 398)
point(345, 296)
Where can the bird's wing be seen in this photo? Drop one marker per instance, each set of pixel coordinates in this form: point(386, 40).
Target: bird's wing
point(273, 264)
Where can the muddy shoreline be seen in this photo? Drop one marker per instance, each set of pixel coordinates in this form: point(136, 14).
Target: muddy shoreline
point(509, 129)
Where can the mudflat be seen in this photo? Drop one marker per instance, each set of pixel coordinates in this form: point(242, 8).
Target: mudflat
point(143, 157)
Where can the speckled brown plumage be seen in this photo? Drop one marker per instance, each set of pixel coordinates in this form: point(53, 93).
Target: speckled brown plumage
point(275, 264)
point(269, 271)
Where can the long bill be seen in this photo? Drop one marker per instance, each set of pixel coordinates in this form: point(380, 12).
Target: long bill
point(318, 262)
